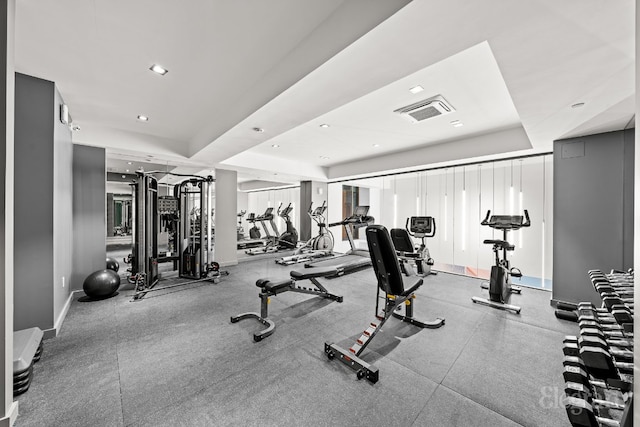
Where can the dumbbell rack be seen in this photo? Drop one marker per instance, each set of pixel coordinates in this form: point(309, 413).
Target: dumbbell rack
point(598, 363)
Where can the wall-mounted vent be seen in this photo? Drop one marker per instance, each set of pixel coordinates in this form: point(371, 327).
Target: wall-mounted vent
point(425, 109)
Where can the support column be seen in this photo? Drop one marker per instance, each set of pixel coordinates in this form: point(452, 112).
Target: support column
point(226, 249)
point(8, 408)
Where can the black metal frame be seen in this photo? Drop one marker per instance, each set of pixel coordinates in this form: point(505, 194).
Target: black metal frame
point(391, 284)
point(270, 289)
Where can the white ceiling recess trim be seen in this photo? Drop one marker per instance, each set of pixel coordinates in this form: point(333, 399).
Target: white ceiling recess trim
point(284, 167)
point(497, 143)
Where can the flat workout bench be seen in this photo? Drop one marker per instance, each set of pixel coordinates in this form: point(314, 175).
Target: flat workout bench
point(269, 289)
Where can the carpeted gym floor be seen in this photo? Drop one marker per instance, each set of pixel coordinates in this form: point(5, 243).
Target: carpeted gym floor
point(174, 359)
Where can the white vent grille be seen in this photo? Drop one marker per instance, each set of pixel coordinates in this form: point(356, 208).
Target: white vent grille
point(425, 109)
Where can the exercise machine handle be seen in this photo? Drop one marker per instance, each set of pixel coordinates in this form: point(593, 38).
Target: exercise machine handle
point(527, 221)
point(485, 221)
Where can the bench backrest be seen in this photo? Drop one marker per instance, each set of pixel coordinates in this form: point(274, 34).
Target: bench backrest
point(384, 260)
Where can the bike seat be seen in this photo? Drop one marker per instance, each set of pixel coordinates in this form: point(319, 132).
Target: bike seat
point(502, 244)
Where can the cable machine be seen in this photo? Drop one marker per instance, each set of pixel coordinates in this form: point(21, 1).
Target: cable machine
point(188, 216)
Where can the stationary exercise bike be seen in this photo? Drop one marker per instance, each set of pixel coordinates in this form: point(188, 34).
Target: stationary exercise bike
point(499, 285)
point(240, 228)
point(420, 227)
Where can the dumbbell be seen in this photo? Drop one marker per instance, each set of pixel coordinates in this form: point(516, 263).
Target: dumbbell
point(581, 413)
point(618, 285)
point(597, 357)
point(622, 315)
point(576, 371)
point(622, 347)
point(611, 331)
point(582, 393)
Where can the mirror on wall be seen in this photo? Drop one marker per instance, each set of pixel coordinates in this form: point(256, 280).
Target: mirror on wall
point(119, 214)
point(121, 217)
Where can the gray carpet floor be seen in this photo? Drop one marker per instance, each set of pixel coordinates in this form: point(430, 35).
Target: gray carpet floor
point(174, 359)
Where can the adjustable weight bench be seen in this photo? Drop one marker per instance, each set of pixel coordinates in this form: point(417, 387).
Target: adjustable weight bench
point(396, 291)
point(270, 289)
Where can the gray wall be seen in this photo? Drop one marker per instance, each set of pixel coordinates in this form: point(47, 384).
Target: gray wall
point(33, 227)
point(62, 212)
point(89, 241)
point(592, 211)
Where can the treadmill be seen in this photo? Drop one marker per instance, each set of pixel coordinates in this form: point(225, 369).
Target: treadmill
point(354, 259)
point(262, 241)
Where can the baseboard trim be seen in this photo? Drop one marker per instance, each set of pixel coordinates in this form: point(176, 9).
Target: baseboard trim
point(52, 333)
point(11, 416)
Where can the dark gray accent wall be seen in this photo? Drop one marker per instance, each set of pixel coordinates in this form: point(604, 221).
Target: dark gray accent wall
point(89, 184)
point(306, 194)
point(33, 208)
point(592, 211)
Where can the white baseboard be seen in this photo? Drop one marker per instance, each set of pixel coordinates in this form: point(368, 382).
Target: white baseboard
point(52, 333)
point(11, 416)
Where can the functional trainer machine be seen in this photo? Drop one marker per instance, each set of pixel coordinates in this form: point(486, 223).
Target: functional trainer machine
point(192, 206)
point(319, 246)
point(270, 289)
point(420, 227)
point(393, 292)
point(499, 286)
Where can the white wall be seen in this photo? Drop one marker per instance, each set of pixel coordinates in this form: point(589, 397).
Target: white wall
point(62, 214)
point(458, 199)
point(226, 194)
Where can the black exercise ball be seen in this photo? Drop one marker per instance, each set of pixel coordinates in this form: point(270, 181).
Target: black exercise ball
point(112, 264)
point(101, 284)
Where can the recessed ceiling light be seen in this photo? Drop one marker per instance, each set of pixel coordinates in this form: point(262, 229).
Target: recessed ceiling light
point(124, 176)
point(578, 105)
point(127, 170)
point(129, 163)
point(159, 69)
point(324, 125)
point(143, 118)
point(275, 146)
point(375, 145)
point(259, 130)
point(416, 89)
point(325, 157)
point(456, 123)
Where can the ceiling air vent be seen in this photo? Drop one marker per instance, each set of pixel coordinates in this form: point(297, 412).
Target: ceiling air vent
point(425, 109)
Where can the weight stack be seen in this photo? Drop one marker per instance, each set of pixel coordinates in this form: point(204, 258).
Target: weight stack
point(27, 350)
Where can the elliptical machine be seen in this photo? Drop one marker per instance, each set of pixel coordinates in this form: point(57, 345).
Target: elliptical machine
point(318, 246)
point(499, 285)
point(288, 239)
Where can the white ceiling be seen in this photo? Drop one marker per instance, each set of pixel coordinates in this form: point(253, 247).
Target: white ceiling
point(512, 70)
